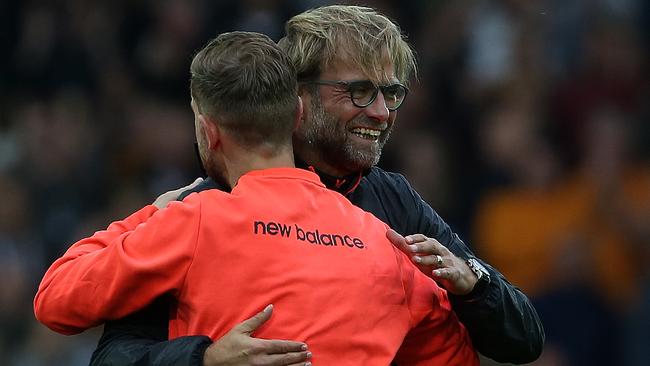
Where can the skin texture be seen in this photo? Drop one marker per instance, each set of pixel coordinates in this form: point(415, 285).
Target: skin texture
point(325, 139)
point(238, 348)
point(449, 271)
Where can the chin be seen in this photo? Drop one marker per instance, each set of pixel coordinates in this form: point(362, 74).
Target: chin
point(361, 161)
point(361, 158)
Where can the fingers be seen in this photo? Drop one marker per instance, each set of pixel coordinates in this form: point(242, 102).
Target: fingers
point(451, 279)
point(398, 241)
point(428, 246)
point(430, 260)
point(292, 358)
point(416, 238)
point(443, 273)
point(416, 244)
point(196, 182)
point(248, 326)
point(423, 250)
point(279, 346)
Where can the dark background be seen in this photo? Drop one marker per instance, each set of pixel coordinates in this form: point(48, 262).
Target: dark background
point(527, 130)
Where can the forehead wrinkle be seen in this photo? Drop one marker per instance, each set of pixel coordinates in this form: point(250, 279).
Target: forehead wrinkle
point(379, 72)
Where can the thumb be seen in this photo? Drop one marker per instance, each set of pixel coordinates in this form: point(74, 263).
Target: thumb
point(193, 184)
point(398, 241)
point(188, 187)
point(248, 326)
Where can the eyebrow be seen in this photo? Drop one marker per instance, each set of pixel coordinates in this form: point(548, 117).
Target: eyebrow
point(390, 82)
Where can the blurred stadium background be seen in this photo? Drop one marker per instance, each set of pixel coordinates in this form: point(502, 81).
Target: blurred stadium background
point(527, 129)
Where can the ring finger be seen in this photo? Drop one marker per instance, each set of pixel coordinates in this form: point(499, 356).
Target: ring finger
point(430, 260)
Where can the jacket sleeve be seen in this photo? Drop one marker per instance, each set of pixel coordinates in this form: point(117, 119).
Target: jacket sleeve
point(119, 270)
point(437, 337)
point(501, 320)
point(140, 339)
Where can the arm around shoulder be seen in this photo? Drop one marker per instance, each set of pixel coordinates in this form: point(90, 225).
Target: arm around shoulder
point(98, 278)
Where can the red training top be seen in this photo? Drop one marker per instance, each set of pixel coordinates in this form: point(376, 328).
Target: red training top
point(280, 237)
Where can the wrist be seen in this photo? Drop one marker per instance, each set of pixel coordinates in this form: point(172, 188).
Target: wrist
point(483, 279)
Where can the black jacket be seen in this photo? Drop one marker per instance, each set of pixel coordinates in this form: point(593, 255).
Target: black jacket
point(500, 319)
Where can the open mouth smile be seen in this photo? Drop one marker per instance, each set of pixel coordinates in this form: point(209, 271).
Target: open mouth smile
point(366, 133)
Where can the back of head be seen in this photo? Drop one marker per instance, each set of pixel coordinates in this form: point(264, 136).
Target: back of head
point(247, 83)
point(359, 34)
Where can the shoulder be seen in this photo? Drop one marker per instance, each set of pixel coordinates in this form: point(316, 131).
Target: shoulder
point(390, 196)
point(382, 177)
point(388, 182)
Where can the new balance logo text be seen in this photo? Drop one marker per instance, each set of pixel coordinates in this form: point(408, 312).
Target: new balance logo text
point(313, 237)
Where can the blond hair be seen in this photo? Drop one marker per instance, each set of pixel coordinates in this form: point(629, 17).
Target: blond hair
point(247, 82)
point(316, 37)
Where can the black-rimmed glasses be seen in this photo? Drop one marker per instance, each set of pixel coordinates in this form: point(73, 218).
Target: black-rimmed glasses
point(364, 92)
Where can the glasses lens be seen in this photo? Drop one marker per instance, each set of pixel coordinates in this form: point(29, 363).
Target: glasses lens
point(394, 95)
point(362, 92)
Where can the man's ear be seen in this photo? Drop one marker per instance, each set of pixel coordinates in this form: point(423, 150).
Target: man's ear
point(299, 114)
point(210, 131)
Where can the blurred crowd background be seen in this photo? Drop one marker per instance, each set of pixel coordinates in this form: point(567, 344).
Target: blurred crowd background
point(527, 129)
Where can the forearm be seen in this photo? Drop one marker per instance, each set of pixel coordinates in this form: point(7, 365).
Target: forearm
point(133, 351)
point(110, 275)
point(141, 339)
point(69, 290)
point(501, 321)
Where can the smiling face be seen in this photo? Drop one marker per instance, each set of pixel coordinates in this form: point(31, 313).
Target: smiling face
point(336, 136)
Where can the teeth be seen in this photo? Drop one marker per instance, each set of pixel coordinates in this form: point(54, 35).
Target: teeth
point(366, 133)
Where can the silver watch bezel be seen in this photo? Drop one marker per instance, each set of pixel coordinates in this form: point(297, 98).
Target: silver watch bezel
point(478, 269)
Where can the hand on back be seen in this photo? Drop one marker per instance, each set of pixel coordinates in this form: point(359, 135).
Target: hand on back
point(436, 261)
point(239, 348)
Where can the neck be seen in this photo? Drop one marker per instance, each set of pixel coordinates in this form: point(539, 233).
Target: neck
point(243, 161)
point(311, 157)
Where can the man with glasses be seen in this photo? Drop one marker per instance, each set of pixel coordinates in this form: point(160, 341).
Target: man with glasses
point(278, 232)
point(352, 63)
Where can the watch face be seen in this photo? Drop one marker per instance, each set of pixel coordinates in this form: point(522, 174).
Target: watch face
point(478, 269)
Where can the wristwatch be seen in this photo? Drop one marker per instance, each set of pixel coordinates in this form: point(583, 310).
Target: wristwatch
point(481, 273)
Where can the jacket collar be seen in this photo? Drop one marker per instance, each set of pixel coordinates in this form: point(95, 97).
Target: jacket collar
point(344, 185)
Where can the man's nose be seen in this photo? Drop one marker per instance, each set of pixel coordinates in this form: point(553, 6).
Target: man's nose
point(377, 109)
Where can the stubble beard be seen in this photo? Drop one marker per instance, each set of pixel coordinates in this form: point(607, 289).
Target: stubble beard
point(211, 167)
point(332, 140)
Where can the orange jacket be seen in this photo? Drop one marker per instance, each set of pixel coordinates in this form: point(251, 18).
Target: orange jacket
point(280, 237)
